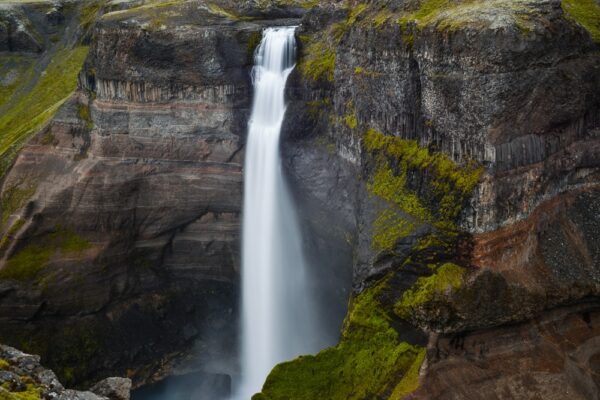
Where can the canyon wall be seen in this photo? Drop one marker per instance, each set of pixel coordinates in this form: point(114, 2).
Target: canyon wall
point(443, 156)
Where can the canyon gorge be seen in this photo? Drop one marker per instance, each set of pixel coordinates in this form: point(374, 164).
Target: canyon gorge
point(443, 157)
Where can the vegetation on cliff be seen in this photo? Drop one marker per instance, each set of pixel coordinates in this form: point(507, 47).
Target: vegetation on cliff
point(32, 109)
point(370, 360)
point(33, 258)
point(586, 13)
point(446, 277)
point(418, 186)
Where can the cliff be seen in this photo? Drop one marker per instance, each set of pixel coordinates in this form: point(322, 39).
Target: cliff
point(443, 154)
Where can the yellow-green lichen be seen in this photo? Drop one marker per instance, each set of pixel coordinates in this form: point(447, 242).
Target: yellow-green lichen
point(586, 13)
point(33, 258)
point(370, 360)
point(447, 277)
point(4, 364)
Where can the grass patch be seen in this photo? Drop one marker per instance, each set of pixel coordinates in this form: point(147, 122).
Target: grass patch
point(369, 361)
point(29, 261)
point(449, 15)
point(586, 13)
point(33, 109)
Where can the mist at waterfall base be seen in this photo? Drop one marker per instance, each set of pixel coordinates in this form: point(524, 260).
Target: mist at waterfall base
point(287, 307)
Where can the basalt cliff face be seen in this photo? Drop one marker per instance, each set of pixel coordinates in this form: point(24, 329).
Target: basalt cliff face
point(444, 157)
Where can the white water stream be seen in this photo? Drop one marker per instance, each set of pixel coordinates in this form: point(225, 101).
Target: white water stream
point(278, 322)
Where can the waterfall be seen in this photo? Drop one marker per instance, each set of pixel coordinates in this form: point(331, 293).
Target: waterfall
point(277, 319)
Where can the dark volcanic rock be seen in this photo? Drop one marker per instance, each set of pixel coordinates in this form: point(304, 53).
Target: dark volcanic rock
point(133, 193)
point(141, 172)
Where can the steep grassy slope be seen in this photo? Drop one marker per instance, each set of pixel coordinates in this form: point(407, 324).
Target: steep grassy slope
point(34, 85)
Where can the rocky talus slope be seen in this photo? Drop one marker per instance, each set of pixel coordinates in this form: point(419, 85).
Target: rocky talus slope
point(23, 378)
point(445, 154)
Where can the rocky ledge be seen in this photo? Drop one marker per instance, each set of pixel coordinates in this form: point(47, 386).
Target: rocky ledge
point(22, 377)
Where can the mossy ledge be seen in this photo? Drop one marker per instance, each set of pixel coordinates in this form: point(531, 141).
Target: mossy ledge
point(437, 198)
point(369, 362)
point(27, 263)
point(447, 277)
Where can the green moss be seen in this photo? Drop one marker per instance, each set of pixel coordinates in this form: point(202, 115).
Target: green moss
point(306, 4)
point(426, 11)
point(382, 17)
point(83, 110)
point(388, 228)
point(410, 380)
point(368, 362)
point(12, 231)
point(586, 13)
point(15, 197)
point(351, 121)
point(26, 264)
point(318, 61)
point(355, 12)
point(4, 364)
point(29, 261)
point(34, 108)
point(437, 199)
point(447, 277)
point(30, 393)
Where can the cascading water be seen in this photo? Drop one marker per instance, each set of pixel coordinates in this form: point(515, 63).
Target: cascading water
point(277, 320)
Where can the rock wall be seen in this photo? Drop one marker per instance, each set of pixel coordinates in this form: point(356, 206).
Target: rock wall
point(437, 152)
point(124, 224)
point(475, 176)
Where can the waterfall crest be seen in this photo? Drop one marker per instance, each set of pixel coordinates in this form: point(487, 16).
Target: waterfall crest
point(278, 322)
